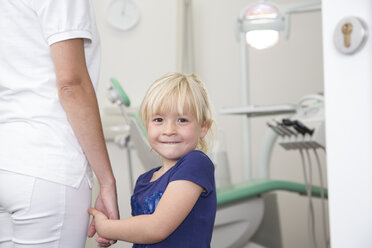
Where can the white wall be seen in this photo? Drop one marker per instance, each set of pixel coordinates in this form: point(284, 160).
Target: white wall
point(139, 56)
point(279, 75)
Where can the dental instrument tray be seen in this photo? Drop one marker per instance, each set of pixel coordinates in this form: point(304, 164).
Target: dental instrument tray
point(306, 128)
point(264, 110)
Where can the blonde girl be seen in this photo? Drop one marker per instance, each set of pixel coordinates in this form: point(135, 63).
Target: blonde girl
point(174, 204)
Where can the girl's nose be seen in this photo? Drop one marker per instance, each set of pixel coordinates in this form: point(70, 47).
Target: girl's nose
point(169, 128)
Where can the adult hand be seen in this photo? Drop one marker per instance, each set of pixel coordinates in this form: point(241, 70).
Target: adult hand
point(106, 203)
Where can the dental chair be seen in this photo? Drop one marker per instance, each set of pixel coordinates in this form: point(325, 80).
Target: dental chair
point(241, 207)
point(137, 133)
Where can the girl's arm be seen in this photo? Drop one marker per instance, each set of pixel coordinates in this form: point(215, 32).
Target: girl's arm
point(176, 203)
point(78, 98)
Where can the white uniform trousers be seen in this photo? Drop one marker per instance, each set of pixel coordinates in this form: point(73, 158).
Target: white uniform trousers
point(35, 213)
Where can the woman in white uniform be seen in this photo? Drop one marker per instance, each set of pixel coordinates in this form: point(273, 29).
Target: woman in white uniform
point(50, 129)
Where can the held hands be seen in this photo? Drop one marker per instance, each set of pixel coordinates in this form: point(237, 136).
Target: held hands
point(99, 219)
point(105, 208)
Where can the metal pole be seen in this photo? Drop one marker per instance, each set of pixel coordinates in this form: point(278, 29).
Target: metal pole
point(247, 170)
point(130, 167)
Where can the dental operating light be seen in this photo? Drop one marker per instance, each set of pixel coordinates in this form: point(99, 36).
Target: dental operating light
point(261, 23)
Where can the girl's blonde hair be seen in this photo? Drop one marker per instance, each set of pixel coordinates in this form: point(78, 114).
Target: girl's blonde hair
point(186, 93)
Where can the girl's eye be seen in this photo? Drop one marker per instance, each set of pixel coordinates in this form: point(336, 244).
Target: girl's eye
point(158, 119)
point(182, 120)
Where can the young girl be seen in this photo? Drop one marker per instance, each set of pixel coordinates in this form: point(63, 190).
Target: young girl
point(173, 205)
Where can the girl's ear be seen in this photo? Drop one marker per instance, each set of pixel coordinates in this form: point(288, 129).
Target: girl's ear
point(204, 129)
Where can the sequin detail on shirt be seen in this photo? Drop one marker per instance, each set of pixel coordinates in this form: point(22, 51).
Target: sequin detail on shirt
point(148, 207)
point(149, 204)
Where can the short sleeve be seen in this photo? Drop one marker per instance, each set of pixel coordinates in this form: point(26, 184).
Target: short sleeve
point(65, 19)
point(198, 168)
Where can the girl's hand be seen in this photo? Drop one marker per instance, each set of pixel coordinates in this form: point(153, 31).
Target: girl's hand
point(106, 203)
point(99, 219)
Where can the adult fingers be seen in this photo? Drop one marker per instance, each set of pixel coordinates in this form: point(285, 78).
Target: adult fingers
point(91, 229)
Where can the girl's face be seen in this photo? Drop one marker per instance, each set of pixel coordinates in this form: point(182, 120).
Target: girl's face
point(173, 135)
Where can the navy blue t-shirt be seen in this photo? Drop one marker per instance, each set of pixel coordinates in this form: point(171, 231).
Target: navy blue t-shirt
point(196, 230)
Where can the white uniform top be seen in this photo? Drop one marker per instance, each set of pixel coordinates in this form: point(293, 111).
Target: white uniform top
point(36, 138)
